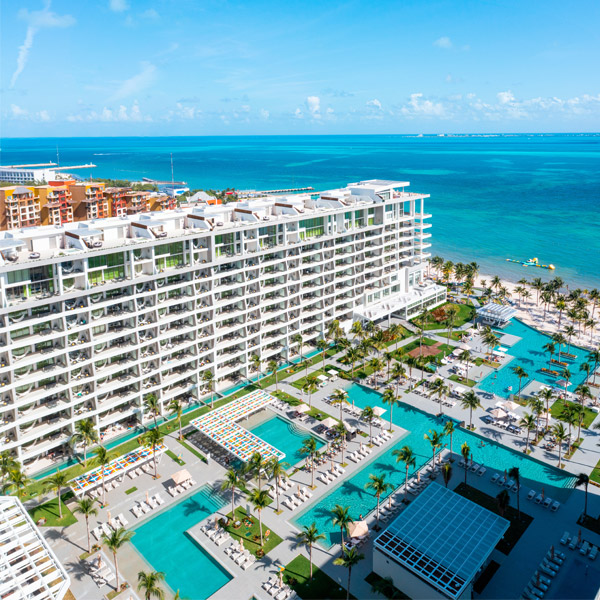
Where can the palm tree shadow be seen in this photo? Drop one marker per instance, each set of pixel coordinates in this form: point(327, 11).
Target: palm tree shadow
point(192, 506)
point(55, 534)
point(78, 569)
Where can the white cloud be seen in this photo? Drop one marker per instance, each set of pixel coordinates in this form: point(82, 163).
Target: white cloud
point(506, 97)
point(18, 113)
point(264, 114)
point(298, 114)
point(375, 104)
point(313, 104)
point(43, 115)
point(118, 5)
point(108, 115)
point(36, 20)
point(150, 14)
point(443, 42)
point(418, 106)
point(134, 85)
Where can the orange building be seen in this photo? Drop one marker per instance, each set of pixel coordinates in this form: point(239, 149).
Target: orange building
point(137, 202)
point(55, 204)
point(162, 202)
point(19, 207)
point(117, 200)
point(88, 201)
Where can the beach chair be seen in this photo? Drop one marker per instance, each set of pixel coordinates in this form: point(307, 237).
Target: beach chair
point(495, 477)
point(547, 502)
point(159, 499)
point(137, 513)
point(564, 540)
point(172, 491)
point(97, 532)
point(584, 548)
point(543, 579)
point(474, 468)
point(288, 504)
point(481, 471)
point(352, 457)
point(106, 529)
point(501, 481)
point(573, 543)
point(249, 562)
point(554, 558)
point(555, 506)
point(593, 552)
point(543, 569)
point(122, 520)
point(531, 495)
point(306, 492)
point(538, 499)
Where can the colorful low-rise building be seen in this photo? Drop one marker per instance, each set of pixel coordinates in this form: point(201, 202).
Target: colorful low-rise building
point(19, 207)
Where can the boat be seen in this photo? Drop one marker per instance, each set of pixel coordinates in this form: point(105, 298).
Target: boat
point(531, 262)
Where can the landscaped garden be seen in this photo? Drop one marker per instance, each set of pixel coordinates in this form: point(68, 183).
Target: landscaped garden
point(556, 410)
point(297, 576)
point(437, 319)
point(47, 514)
point(246, 527)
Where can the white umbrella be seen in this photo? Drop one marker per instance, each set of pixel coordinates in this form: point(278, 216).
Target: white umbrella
point(498, 413)
point(378, 411)
point(509, 405)
point(181, 476)
point(456, 351)
point(459, 389)
point(464, 346)
point(329, 422)
point(303, 408)
point(358, 529)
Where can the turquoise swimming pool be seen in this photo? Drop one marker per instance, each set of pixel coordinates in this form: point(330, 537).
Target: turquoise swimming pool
point(285, 436)
point(162, 541)
point(528, 353)
point(494, 456)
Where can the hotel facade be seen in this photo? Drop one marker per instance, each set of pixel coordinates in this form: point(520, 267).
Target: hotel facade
point(96, 315)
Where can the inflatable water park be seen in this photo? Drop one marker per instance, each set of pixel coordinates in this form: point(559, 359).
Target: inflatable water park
point(531, 262)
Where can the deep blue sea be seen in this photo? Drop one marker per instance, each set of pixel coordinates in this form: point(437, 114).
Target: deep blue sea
point(492, 197)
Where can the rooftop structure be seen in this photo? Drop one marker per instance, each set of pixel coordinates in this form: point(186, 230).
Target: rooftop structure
point(37, 172)
point(496, 315)
point(95, 315)
point(443, 539)
point(28, 567)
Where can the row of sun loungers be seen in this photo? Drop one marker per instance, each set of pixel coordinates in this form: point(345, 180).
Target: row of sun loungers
point(585, 548)
point(546, 571)
point(174, 490)
point(105, 528)
point(273, 588)
point(359, 454)
point(475, 468)
point(141, 508)
point(294, 500)
point(103, 575)
point(546, 502)
point(241, 558)
point(383, 437)
point(327, 477)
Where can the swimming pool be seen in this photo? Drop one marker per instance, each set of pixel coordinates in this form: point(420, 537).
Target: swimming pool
point(162, 541)
point(351, 492)
point(285, 436)
point(528, 353)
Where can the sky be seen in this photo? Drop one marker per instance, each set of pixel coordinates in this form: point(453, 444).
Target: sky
point(208, 67)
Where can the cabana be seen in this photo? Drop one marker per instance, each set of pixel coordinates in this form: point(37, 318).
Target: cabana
point(329, 422)
point(181, 476)
point(358, 529)
point(496, 315)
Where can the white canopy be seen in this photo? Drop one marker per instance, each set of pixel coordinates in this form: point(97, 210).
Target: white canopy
point(358, 529)
point(464, 346)
point(329, 422)
point(509, 405)
point(302, 408)
point(378, 411)
point(498, 413)
point(456, 351)
point(323, 378)
point(181, 476)
point(459, 389)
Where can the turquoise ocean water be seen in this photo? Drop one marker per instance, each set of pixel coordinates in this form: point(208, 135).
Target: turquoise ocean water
point(492, 197)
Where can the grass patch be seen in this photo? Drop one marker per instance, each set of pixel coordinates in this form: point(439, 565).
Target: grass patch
point(595, 474)
point(193, 450)
point(49, 512)
point(299, 383)
point(387, 589)
point(465, 314)
point(174, 457)
point(131, 490)
point(247, 531)
point(556, 410)
point(297, 576)
point(490, 363)
point(517, 527)
point(285, 397)
point(468, 382)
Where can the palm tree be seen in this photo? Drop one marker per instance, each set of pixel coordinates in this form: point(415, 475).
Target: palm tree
point(378, 485)
point(340, 397)
point(465, 357)
point(368, 416)
point(489, 339)
point(449, 428)
point(309, 447)
point(441, 389)
point(257, 466)
point(470, 400)
point(350, 558)
point(398, 371)
point(546, 395)
point(7, 464)
point(18, 480)
point(521, 374)
point(152, 405)
point(583, 479)
point(550, 348)
point(55, 483)
point(515, 475)
point(277, 470)
point(594, 356)
point(298, 339)
point(407, 456)
point(176, 408)
point(391, 400)
point(334, 331)
point(357, 330)
point(529, 422)
point(256, 362)
point(503, 501)
point(451, 313)
point(232, 481)
point(322, 345)
point(435, 439)
point(102, 459)
point(376, 365)
point(153, 438)
point(352, 356)
point(259, 500)
point(309, 536)
point(310, 387)
point(465, 451)
point(560, 434)
point(272, 367)
point(341, 519)
point(149, 582)
point(86, 507)
point(570, 331)
point(85, 432)
point(447, 473)
point(208, 378)
point(114, 542)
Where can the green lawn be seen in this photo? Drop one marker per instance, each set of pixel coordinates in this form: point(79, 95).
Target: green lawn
point(248, 533)
point(191, 448)
point(465, 314)
point(174, 457)
point(595, 475)
point(517, 527)
point(297, 573)
point(387, 589)
point(49, 511)
point(589, 415)
point(131, 490)
point(291, 400)
point(469, 383)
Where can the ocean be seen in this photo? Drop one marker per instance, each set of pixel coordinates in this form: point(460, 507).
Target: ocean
point(492, 197)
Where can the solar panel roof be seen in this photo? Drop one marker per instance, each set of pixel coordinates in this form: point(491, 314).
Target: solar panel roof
point(443, 538)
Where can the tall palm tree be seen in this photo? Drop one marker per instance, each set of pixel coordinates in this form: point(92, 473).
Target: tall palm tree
point(583, 480)
point(560, 434)
point(232, 481)
point(350, 558)
point(503, 501)
point(298, 339)
point(515, 475)
point(310, 387)
point(256, 362)
point(102, 459)
point(152, 405)
point(391, 400)
point(398, 371)
point(407, 456)
point(449, 429)
point(570, 417)
point(86, 507)
point(209, 379)
point(176, 407)
point(570, 331)
point(447, 473)
point(529, 422)
point(435, 439)
point(378, 485)
point(149, 583)
point(465, 450)
point(465, 357)
point(451, 313)
point(340, 397)
point(368, 416)
point(55, 483)
point(546, 395)
point(309, 536)
point(272, 367)
point(114, 542)
point(309, 447)
point(341, 519)
point(257, 466)
point(259, 500)
point(352, 356)
point(322, 346)
point(470, 400)
point(357, 330)
point(440, 388)
point(521, 374)
point(537, 408)
point(153, 438)
point(594, 356)
point(277, 471)
point(86, 434)
point(7, 464)
point(18, 480)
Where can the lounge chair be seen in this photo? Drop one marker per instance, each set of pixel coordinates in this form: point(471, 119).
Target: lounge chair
point(495, 477)
point(144, 507)
point(97, 532)
point(288, 504)
point(481, 471)
point(538, 499)
point(543, 569)
point(306, 493)
point(136, 512)
point(107, 530)
point(152, 502)
point(173, 491)
point(122, 520)
point(543, 579)
point(249, 562)
point(531, 495)
point(573, 543)
point(547, 502)
point(533, 590)
point(584, 548)
point(593, 552)
point(555, 506)
point(564, 540)
point(159, 499)
point(557, 560)
point(322, 478)
point(501, 481)
point(474, 468)
point(550, 566)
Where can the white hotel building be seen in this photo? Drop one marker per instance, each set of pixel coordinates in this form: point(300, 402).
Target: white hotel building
point(95, 315)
